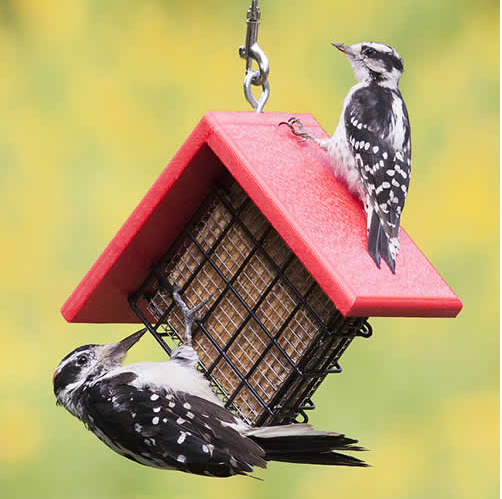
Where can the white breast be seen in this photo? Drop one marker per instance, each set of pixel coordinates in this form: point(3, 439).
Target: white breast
point(344, 164)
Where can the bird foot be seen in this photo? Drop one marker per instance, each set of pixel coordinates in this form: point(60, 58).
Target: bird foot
point(189, 315)
point(299, 131)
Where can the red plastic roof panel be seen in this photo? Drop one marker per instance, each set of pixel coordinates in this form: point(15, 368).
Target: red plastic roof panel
point(292, 184)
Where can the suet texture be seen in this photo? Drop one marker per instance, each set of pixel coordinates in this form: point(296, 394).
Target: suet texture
point(165, 414)
point(371, 146)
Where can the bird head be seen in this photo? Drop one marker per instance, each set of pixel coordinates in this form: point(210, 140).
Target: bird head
point(85, 364)
point(372, 61)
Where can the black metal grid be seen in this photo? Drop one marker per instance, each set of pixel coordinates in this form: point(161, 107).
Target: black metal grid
point(270, 335)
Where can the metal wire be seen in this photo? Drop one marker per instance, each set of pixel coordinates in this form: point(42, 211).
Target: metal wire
point(270, 335)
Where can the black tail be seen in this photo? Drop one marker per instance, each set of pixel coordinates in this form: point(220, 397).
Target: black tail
point(378, 244)
point(301, 444)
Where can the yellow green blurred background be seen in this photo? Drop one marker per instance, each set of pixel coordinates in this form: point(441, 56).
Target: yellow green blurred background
point(96, 96)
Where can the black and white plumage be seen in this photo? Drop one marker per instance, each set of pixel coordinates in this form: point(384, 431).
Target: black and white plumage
point(165, 414)
point(371, 146)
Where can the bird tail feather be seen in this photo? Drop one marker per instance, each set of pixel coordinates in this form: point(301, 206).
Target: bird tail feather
point(379, 245)
point(300, 443)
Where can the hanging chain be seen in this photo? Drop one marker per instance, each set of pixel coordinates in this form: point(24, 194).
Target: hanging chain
point(253, 51)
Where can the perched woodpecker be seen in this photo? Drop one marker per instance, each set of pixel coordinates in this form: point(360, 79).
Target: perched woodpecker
point(371, 146)
point(165, 414)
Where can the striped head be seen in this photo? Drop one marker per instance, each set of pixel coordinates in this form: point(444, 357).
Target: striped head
point(372, 61)
point(84, 365)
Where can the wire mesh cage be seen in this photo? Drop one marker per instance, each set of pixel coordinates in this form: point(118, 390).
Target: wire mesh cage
point(270, 335)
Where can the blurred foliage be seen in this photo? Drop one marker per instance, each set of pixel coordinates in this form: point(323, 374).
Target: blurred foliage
point(97, 96)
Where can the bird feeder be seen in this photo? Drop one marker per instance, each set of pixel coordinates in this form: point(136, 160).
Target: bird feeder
point(253, 221)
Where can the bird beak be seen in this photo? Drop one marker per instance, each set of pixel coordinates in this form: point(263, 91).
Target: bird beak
point(346, 49)
point(117, 351)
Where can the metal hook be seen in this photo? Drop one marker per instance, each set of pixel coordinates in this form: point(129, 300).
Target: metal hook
point(252, 51)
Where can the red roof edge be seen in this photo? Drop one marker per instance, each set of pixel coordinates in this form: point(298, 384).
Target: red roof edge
point(293, 185)
point(146, 235)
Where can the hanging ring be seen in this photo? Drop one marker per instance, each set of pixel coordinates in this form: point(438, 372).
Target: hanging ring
point(257, 105)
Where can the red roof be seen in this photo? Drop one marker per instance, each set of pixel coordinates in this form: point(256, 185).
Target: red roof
point(291, 183)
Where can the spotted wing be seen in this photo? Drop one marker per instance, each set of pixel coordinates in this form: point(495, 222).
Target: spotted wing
point(378, 133)
point(169, 430)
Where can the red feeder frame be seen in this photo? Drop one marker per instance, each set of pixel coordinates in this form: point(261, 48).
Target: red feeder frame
point(292, 185)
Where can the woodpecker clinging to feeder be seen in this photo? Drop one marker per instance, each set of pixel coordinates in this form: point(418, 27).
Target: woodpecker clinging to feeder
point(165, 414)
point(371, 146)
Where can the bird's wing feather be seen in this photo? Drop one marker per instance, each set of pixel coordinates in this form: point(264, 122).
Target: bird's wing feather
point(173, 430)
point(370, 128)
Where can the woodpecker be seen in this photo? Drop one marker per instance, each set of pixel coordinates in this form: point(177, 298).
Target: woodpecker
point(166, 415)
point(371, 146)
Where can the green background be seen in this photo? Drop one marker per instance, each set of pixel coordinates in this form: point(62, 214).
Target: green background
point(96, 96)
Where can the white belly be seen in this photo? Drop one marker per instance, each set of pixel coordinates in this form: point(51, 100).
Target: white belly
point(343, 162)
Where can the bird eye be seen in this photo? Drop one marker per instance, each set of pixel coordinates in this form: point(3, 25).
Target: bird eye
point(369, 51)
point(82, 360)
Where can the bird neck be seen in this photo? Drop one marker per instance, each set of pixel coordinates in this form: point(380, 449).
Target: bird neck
point(380, 80)
point(70, 399)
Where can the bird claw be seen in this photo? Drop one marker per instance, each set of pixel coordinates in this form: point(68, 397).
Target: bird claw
point(300, 131)
point(189, 314)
